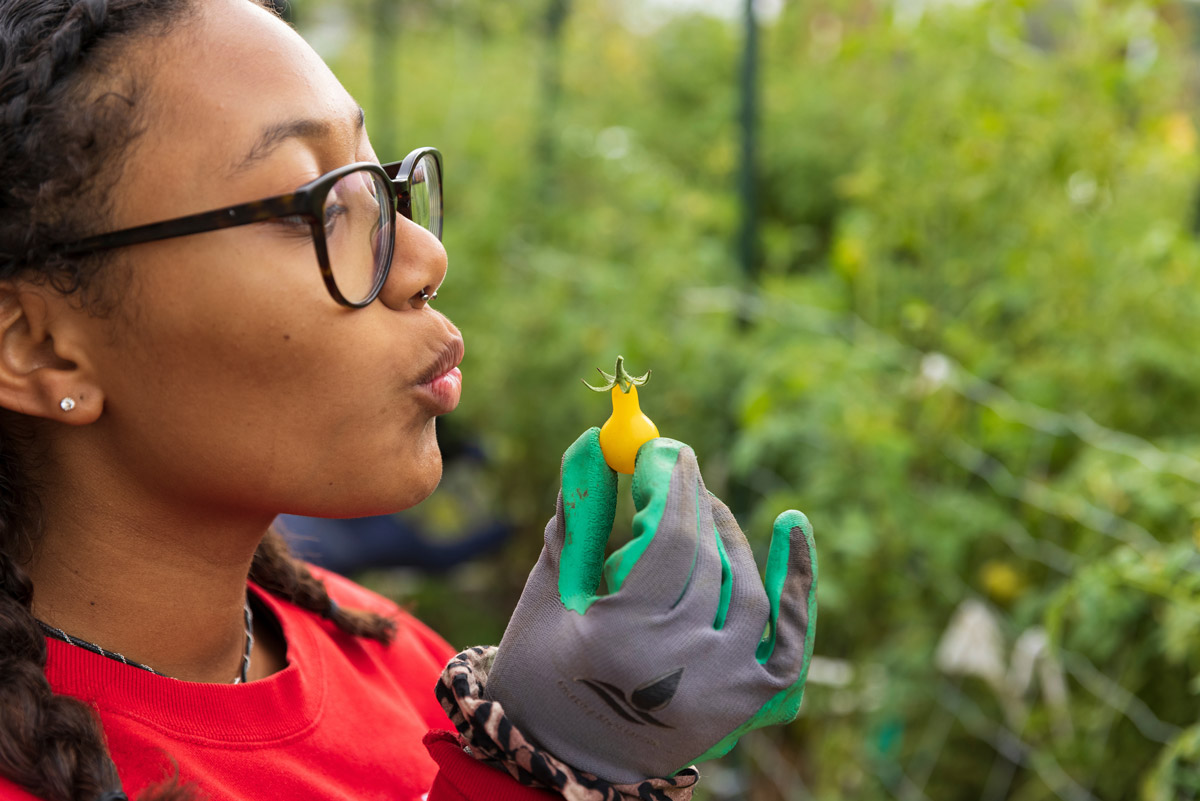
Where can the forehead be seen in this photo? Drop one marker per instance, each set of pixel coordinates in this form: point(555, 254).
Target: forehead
point(217, 84)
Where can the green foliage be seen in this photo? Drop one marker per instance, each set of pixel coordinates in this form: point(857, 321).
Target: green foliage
point(971, 357)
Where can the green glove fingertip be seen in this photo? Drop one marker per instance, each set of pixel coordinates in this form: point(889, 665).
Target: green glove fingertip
point(783, 566)
point(589, 498)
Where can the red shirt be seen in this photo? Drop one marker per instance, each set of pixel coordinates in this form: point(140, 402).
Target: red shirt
point(344, 720)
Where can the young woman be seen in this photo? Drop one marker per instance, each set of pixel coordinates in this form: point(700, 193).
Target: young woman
point(215, 308)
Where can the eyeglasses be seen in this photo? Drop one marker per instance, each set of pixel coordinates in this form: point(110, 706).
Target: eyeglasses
point(350, 214)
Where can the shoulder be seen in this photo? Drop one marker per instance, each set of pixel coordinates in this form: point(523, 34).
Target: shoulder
point(347, 593)
point(360, 671)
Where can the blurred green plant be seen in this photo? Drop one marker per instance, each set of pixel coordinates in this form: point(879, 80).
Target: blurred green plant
point(972, 361)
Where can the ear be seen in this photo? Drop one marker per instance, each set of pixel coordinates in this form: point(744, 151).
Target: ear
point(43, 356)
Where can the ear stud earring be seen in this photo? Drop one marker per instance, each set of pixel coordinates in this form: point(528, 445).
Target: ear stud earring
point(66, 404)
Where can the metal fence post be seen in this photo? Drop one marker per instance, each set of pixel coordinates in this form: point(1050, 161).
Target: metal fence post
point(748, 246)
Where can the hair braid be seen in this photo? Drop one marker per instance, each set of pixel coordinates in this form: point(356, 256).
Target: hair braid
point(49, 58)
point(281, 574)
point(68, 114)
point(50, 744)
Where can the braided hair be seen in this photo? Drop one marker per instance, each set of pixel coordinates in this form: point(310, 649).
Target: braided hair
point(67, 119)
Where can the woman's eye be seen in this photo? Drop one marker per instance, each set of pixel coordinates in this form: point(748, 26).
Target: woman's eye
point(333, 213)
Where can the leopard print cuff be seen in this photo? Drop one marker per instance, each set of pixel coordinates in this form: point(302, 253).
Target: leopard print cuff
point(487, 735)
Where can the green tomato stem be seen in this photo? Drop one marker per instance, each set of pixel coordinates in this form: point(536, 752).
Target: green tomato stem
point(619, 378)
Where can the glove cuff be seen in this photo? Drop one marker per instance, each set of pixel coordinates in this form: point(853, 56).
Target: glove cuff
point(488, 736)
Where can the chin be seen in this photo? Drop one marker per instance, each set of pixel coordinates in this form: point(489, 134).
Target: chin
point(419, 477)
point(424, 483)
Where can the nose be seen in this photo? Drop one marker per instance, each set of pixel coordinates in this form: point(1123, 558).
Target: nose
point(419, 266)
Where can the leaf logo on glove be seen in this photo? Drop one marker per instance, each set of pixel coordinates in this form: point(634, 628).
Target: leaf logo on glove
point(649, 697)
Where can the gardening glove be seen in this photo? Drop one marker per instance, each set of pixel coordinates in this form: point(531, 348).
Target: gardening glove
point(686, 652)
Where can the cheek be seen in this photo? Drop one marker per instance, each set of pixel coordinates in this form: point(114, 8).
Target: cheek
point(286, 402)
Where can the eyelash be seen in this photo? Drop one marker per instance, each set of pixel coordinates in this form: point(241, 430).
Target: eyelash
point(338, 211)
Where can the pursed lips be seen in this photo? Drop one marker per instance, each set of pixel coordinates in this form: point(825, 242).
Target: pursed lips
point(450, 357)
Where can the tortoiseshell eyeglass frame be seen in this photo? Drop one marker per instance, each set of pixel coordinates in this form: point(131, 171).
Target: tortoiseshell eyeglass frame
point(308, 201)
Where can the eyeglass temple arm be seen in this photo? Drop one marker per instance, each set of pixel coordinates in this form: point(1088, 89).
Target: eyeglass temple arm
point(297, 203)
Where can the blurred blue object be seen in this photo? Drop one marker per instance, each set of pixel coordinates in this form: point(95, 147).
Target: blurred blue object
point(348, 546)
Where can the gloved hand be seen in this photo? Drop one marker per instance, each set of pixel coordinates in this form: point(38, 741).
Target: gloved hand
point(672, 666)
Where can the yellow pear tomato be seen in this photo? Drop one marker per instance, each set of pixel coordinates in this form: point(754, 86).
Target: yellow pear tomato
point(627, 428)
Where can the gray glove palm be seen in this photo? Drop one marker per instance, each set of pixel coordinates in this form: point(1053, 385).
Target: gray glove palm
point(672, 665)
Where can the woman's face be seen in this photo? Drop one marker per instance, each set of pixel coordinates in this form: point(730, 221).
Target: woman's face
point(231, 378)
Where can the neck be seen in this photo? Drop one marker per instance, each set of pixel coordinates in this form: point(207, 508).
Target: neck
point(166, 592)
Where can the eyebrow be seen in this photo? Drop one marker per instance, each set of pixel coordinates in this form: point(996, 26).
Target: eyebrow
point(275, 134)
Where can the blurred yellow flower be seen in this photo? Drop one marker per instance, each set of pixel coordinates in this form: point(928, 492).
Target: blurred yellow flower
point(1001, 581)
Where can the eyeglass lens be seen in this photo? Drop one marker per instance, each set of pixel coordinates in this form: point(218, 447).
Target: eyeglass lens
point(425, 187)
point(360, 228)
point(360, 224)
